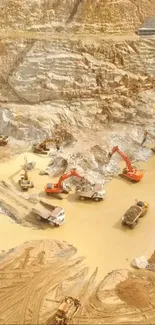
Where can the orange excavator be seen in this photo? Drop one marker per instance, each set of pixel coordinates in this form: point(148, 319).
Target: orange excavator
point(56, 189)
point(130, 172)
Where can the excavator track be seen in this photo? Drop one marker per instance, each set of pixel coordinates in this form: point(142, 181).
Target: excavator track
point(55, 195)
point(125, 177)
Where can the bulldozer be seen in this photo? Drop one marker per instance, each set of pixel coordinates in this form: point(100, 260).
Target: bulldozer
point(24, 181)
point(3, 140)
point(66, 311)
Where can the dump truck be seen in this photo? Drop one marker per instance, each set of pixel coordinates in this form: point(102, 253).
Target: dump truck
point(66, 311)
point(54, 215)
point(132, 215)
point(94, 192)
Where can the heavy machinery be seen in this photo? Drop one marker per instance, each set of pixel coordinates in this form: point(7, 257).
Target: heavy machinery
point(66, 311)
point(56, 189)
point(30, 164)
point(54, 215)
point(146, 134)
point(136, 211)
point(94, 192)
point(130, 172)
point(3, 140)
point(41, 147)
point(24, 181)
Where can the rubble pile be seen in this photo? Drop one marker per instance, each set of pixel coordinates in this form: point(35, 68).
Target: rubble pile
point(65, 137)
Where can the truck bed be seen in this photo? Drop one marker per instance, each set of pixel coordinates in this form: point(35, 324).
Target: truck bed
point(132, 214)
point(89, 190)
point(46, 210)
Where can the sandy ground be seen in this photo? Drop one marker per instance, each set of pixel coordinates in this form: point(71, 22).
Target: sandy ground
point(94, 228)
point(36, 277)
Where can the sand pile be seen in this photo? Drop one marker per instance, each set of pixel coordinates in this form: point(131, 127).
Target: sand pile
point(133, 292)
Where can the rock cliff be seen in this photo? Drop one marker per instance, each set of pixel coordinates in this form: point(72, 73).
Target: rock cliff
point(77, 63)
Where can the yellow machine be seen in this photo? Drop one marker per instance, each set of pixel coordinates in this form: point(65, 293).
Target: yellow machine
point(66, 311)
point(136, 211)
point(24, 181)
point(42, 147)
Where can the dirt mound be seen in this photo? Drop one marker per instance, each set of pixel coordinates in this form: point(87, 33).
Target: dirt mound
point(133, 292)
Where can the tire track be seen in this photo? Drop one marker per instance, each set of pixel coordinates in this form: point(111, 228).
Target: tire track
point(44, 274)
point(68, 273)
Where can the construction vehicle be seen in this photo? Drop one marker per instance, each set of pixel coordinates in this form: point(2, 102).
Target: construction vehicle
point(56, 189)
point(54, 215)
point(66, 311)
point(146, 134)
point(24, 181)
point(94, 192)
point(136, 211)
point(130, 172)
point(41, 147)
point(30, 164)
point(3, 140)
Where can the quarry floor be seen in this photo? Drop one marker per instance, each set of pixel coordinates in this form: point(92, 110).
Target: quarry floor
point(93, 228)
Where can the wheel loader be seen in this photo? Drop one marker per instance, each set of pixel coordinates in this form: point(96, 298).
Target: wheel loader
point(136, 211)
point(24, 181)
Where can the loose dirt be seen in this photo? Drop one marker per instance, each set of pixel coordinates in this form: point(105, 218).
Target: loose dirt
point(133, 292)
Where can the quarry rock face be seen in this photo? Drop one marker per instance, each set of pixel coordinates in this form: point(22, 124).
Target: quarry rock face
point(77, 63)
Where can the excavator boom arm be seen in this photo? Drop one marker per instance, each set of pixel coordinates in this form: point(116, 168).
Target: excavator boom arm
point(123, 155)
point(66, 176)
point(146, 133)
